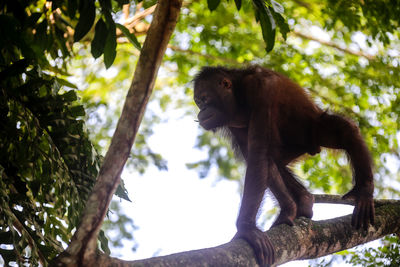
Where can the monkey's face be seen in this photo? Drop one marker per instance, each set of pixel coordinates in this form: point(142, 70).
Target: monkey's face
point(214, 103)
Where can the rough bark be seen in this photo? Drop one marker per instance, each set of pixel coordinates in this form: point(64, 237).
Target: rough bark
point(306, 240)
point(83, 246)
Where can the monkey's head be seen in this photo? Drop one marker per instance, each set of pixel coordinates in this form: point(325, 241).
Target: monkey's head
point(213, 94)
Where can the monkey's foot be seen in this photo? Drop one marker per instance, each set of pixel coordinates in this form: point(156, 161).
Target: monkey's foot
point(260, 243)
point(304, 206)
point(283, 218)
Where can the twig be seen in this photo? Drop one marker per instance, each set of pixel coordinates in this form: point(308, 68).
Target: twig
point(334, 45)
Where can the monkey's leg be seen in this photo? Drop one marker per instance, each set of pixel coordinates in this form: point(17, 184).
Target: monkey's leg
point(304, 199)
point(337, 132)
point(286, 202)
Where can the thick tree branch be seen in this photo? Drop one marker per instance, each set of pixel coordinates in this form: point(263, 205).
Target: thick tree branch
point(306, 240)
point(83, 246)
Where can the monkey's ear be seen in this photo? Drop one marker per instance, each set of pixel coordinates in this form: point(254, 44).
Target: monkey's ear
point(226, 83)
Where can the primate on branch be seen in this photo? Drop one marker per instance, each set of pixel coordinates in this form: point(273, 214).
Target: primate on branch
point(273, 121)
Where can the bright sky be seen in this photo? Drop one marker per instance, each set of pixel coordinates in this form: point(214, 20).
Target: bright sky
point(175, 210)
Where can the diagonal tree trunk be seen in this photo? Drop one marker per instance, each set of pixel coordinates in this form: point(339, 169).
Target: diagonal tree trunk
point(82, 251)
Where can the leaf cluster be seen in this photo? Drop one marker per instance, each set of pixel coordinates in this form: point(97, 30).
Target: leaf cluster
point(82, 14)
point(48, 165)
point(386, 255)
point(268, 13)
point(378, 19)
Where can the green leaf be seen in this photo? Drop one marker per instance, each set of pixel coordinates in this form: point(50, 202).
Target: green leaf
point(87, 14)
point(122, 192)
point(268, 27)
point(111, 44)
point(99, 40)
point(131, 37)
point(213, 4)
point(238, 4)
point(69, 96)
point(104, 242)
point(282, 24)
point(278, 8)
point(66, 83)
point(77, 111)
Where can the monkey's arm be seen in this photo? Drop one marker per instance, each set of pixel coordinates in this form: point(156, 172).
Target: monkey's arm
point(256, 181)
point(260, 165)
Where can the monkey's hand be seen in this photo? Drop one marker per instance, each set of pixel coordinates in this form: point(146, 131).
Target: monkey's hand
point(364, 210)
point(260, 243)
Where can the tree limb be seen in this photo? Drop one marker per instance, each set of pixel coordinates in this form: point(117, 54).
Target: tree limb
point(83, 247)
point(334, 45)
point(191, 52)
point(337, 199)
point(131, 22)
point(307, 239)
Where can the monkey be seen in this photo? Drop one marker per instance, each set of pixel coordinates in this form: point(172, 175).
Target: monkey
point(273, 121)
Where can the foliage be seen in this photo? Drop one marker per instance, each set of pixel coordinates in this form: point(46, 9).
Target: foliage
point(268, 13)
point(377, 19)
point(102, 98)
point(345, 53)
point(387, 255)
point(47, 163)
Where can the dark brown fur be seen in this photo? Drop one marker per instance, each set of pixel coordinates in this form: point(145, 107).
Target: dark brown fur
point(274, 122)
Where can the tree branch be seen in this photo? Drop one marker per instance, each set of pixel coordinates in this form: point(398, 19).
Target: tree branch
point(307, 239)
point(191, 52)
point(337, 199)
point(131, 22)
point(334, 45)
point(83, 247)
